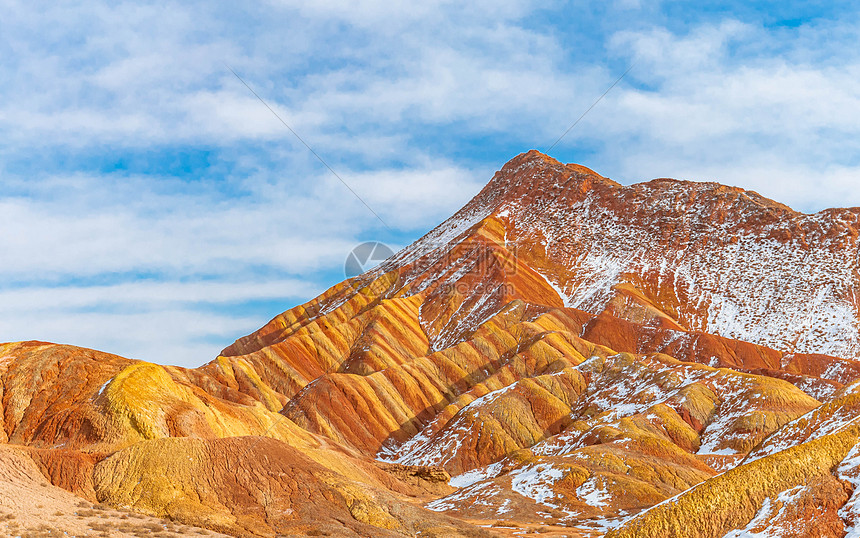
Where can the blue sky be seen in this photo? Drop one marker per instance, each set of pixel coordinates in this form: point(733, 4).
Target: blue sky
point(153, 208)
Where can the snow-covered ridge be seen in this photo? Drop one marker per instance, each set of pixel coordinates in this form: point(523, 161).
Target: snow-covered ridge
point(734, 263)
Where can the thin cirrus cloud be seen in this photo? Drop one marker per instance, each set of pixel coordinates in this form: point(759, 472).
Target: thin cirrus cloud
point(153, 207)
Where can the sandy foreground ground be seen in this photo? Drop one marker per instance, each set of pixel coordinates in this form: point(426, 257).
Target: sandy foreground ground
point(31, 507)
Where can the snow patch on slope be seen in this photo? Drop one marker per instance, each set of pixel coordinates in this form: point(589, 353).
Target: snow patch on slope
point(565, 298)
point(768, 513)
point(593, 494)
point(849, 470)
point(786, 281)
point(476, 475)
point(535, 482)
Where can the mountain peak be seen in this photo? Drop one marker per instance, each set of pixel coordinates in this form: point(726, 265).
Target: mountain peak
point(535, 178)
point(534, 157)
point(588, 234)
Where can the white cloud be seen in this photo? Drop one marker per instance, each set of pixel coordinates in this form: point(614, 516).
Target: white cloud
point(391, 15)
point(185, 324)
point(148, 294)
point(183, 337)
point(204, 255)
point(149, 79)
point(774, 123)
point(412, 199)
point(95, 227)
point(411, 103)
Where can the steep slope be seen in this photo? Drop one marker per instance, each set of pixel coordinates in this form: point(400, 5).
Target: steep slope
point(732, 500)
point(675, 254)
point(710, 258)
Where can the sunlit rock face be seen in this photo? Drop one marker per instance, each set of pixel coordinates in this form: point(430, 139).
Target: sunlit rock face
point(565, 355)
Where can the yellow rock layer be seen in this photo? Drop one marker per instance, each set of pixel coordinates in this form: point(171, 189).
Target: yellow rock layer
point(730, 500)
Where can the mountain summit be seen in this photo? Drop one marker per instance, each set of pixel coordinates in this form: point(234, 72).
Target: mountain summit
point(562, 357)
